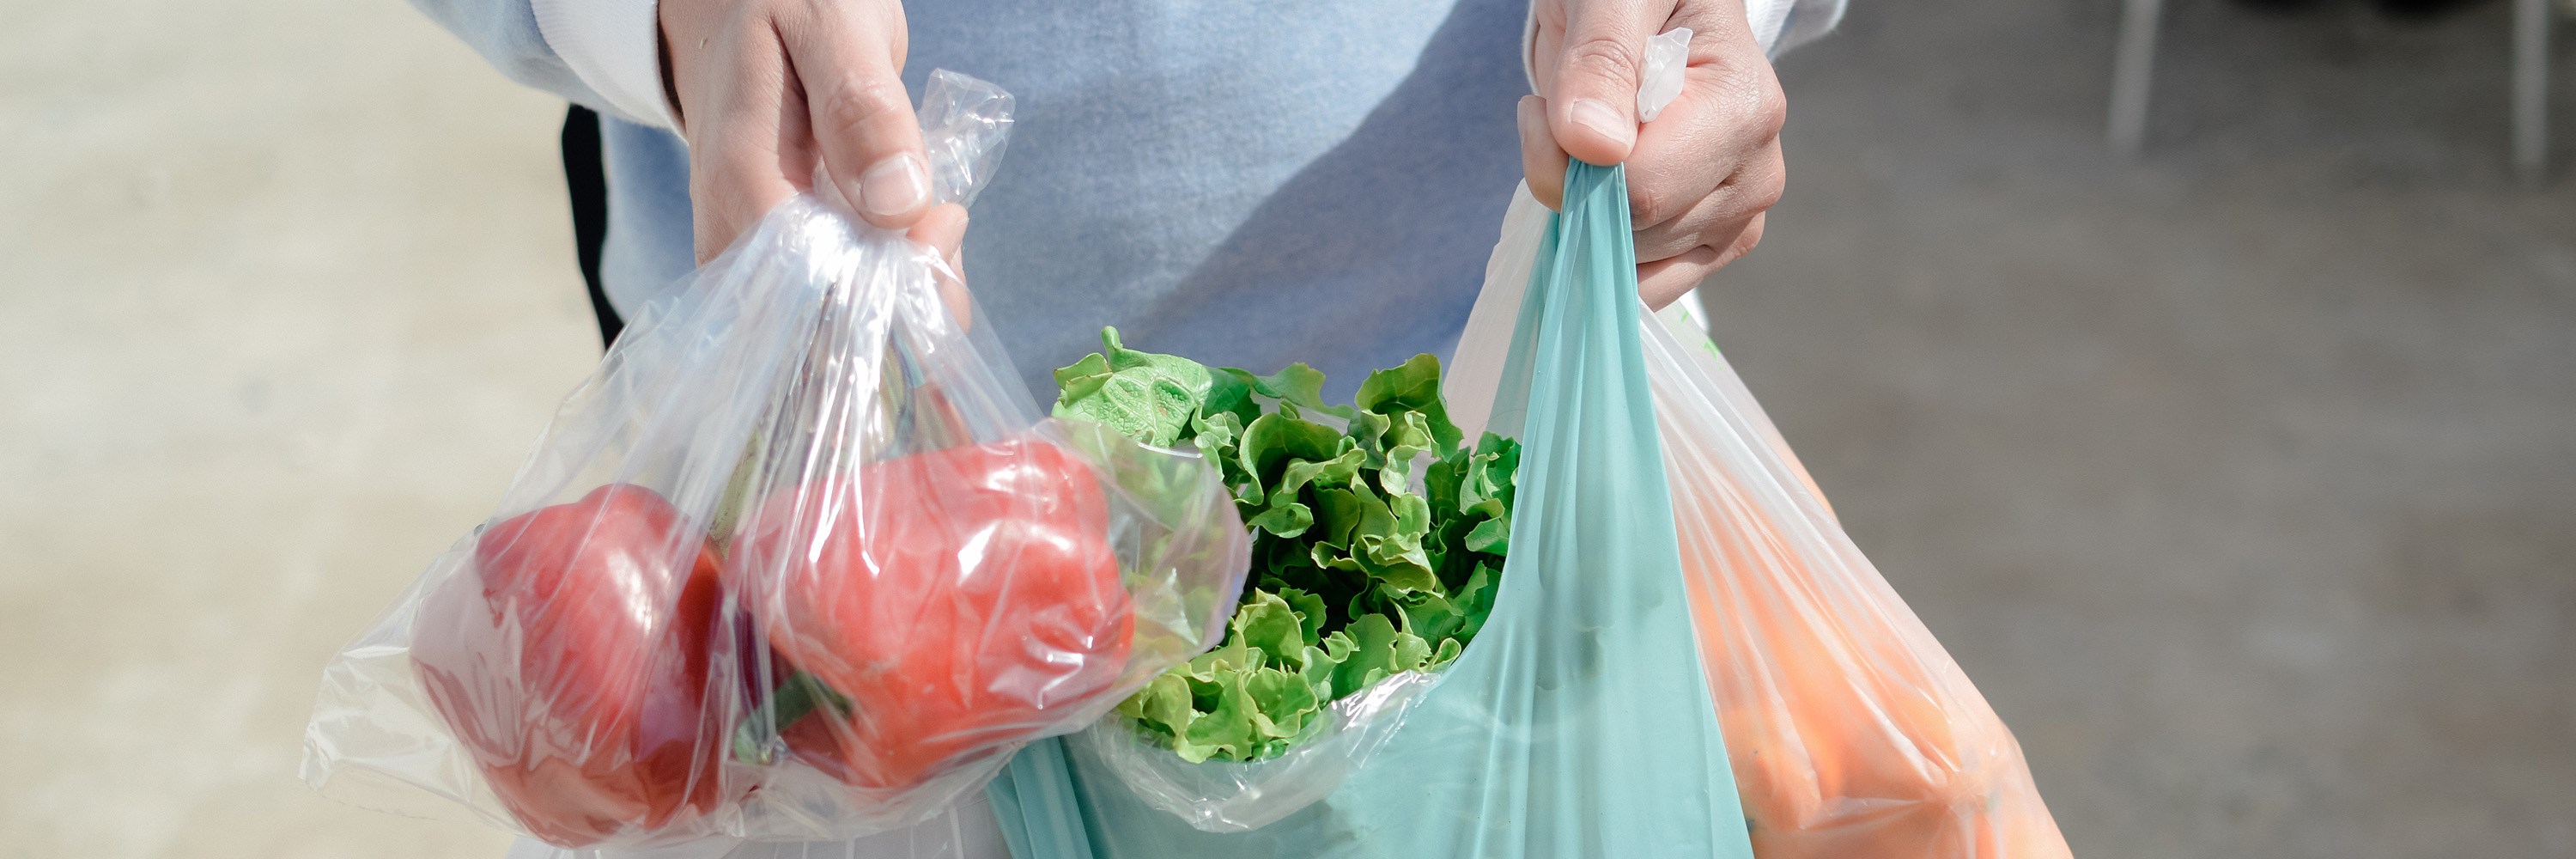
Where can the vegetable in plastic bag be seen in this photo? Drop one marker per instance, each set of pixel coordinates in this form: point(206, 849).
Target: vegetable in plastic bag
point(1365, 570)
point(1578, 722)
point(1377, 539)
point(799, 561)
point(872, 600)
point(1851, 732)
point(599, 723)
point(1859, 734)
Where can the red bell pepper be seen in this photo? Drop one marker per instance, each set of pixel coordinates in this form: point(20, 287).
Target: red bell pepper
point(959, 599)
point(571, 662)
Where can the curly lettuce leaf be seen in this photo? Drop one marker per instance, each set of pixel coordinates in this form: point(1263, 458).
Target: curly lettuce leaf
point(1376, 544)
point(1146, 396)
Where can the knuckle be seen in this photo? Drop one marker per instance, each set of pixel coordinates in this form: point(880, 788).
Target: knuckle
point(1753, 93)
point(1771, 105)
point(1603, 57)
point(1649, 204)
point(857, 106)
point(1764, 190)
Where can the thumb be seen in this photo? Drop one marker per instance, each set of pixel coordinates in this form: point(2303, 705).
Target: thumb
point(850, 66)
point(1593, 98)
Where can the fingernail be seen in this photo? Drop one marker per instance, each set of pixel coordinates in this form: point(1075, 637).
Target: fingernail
point(1532, 116)
point(896, 185)
point(1597, 115)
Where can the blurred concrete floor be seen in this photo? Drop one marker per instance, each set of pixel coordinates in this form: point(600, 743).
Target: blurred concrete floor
point(2243, 479)
point(285, 289)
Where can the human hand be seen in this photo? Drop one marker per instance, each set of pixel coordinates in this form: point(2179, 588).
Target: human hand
point(1701, 176)
point(767, 89)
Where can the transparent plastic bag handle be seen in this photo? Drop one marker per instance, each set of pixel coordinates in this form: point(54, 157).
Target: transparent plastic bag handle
point(1667, 56)
point(965, 122)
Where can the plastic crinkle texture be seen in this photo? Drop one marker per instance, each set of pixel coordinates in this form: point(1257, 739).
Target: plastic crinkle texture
point(799, 561)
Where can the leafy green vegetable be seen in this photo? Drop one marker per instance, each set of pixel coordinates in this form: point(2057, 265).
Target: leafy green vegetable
point(1377, 535)
point(1148, 397)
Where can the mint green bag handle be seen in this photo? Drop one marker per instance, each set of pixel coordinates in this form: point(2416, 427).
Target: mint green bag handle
point(1578, 725)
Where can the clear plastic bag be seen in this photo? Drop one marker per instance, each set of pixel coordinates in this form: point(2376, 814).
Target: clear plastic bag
point(1850, 731)
point(1223, 796)
point(799, 561)
point(1855, 733)
point(1577, 724)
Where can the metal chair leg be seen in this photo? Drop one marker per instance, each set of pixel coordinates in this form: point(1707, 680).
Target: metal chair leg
point(2531, 87)
point(2133, 68)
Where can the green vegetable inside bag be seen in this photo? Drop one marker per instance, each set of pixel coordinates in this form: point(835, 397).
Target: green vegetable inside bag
point(1363, 568)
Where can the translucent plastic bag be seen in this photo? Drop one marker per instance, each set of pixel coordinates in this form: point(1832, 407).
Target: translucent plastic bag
point(1852, 733)
point(1305, 635)
point(1222, 796)
point(1577, 723)
point(799, 561)
point(1856, 735)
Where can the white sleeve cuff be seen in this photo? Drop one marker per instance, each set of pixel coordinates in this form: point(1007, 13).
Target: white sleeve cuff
point(615, 46)
point(1769, 20)
point(1807, 21)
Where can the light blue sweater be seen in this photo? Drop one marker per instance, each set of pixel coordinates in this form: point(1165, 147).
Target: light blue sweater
point(1244, 183)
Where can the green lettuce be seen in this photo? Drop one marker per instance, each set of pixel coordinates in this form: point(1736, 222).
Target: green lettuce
point(1377, 537)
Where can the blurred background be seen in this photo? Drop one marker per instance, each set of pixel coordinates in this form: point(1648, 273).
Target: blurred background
point(2240, 476)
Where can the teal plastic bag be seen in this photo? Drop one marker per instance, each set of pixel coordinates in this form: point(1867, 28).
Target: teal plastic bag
point(1578, 724)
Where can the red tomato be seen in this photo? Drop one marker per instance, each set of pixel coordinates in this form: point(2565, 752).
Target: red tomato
point(962, 599)
point(571, 661)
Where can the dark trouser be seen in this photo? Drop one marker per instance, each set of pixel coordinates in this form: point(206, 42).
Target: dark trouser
point(586, 176)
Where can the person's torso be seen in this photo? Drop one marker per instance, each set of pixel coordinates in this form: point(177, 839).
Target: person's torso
point(1245, 184)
